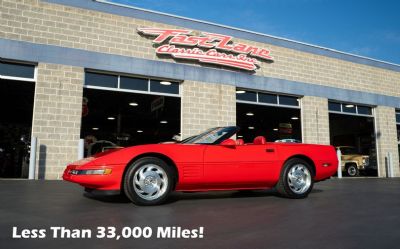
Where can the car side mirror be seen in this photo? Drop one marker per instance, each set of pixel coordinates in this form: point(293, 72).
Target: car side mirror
point(229, 143)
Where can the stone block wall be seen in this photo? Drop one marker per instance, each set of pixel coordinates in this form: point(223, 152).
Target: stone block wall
point(386, 138)
point(315, 120)
point(206, 105)
point(57, 117)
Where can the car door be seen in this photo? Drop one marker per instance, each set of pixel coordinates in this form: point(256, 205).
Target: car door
point(240, 166)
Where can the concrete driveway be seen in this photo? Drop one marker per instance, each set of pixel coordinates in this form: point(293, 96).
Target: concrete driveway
point(347, 213)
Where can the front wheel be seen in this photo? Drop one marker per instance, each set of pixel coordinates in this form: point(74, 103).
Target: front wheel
point(148, 181)
point(296, 180)
point(352, 170)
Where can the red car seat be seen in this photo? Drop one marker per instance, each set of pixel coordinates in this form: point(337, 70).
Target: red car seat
point(259, 140)
point(239, 142)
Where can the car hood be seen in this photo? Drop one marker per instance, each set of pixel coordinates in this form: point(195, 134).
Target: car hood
point(122, 156)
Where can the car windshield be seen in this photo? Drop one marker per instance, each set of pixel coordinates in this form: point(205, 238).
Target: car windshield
point(348, 150)
point(212, 136)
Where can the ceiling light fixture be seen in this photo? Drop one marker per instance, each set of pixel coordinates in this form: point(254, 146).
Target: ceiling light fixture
point(240, 91)
point(251, 128)
point(349, 106)
point(165, 83)
point(250, 114)
point(133, 104)
point(139, 131)
point(239, 136)
point(110, 118)
point(275, 129)
point(295, 118)
point(163, 121)
point(95, 128)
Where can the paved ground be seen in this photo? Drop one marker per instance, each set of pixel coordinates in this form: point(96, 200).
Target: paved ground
point(348, 213)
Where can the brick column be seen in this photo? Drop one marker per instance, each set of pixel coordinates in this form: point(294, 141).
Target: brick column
point(206, 105)
point(386, 138)
point(315, 120)
point(57, 117)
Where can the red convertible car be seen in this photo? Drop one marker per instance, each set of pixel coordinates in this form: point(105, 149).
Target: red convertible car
point(147, 174)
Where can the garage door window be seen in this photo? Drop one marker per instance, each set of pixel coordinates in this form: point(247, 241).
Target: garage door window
point(349, 108)
point(100, 80)
point(261, 98)
point(276, 117)
point(351, 129)
point(17, 71)
point(17, 90)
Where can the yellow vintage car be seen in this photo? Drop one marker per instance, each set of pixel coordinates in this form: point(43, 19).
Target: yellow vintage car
point(352, 162)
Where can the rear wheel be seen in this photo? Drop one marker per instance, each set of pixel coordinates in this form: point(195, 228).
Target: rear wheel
point(296, 180)
point(148, 181)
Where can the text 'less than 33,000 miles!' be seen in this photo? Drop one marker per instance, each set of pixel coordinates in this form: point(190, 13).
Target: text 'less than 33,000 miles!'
point(109, 232)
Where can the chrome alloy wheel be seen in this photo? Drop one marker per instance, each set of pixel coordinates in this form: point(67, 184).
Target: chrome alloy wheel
point(299, 178)
point(352, 171)
point(150, 181)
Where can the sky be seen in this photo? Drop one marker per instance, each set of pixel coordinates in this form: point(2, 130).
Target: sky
point(368, 28)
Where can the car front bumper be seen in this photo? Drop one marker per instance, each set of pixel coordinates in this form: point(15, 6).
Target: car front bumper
point(92, 178)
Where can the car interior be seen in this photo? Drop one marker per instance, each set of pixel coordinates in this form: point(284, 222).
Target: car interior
point(257, 141)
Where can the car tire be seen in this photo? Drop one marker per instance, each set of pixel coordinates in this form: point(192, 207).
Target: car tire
point(148, 181)
point(352, 170)
point(296, 180)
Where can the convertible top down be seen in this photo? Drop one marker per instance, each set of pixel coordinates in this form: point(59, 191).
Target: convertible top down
point(147, 174)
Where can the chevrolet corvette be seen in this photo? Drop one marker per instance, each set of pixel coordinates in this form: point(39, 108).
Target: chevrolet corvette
point(212, 160)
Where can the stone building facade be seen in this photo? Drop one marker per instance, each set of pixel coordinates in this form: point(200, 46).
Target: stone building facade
point(64, 38)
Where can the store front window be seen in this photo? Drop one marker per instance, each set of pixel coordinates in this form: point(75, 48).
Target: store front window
point(276, 117)
point(351, 128)
point(120, 111)
point(17, 89)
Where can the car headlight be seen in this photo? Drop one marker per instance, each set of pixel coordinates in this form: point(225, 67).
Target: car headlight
point(90, 171)
point(366, 161)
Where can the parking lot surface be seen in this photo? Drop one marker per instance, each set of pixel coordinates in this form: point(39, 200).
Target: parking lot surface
point(347, 213)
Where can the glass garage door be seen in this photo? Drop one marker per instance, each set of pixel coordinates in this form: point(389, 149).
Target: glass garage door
point(17, 89)
point(352, 130)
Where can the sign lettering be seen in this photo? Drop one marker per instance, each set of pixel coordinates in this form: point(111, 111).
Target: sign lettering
point(207, 48)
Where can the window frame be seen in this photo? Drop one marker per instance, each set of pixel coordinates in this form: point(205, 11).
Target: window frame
point(119, 89)
point(7, 77)
point(278, 104)
point(356, 113)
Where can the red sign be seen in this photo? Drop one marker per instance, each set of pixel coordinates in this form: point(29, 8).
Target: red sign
point(206, 48)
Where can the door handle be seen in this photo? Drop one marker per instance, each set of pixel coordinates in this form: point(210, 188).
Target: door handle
point(270, 150)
